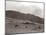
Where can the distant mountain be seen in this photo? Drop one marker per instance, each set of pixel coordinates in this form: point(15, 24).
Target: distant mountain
point(22, 16)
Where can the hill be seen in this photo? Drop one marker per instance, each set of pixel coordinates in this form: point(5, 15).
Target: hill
point(22, 16)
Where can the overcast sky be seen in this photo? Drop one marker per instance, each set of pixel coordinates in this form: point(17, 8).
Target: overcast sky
point(26, 7)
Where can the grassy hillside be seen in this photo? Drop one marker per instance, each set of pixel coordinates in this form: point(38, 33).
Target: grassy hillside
point(22, 16)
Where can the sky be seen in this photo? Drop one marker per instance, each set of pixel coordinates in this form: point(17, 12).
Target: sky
point(26, 7)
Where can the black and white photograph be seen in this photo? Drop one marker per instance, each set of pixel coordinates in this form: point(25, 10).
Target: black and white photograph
point(24, 17)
